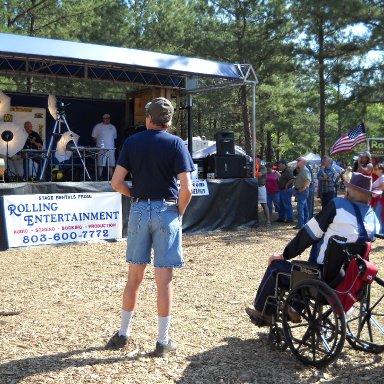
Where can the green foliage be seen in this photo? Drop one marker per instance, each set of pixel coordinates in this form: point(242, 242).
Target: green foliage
point(315, 81)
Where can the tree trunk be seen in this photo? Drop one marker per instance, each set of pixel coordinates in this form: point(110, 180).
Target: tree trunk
point(268, 154)
point(321, 88)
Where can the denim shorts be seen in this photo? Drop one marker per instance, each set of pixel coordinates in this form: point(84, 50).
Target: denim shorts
point(155, 224)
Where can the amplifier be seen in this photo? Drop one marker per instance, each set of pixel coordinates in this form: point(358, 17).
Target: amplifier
point(225, 143)
point(232, 166)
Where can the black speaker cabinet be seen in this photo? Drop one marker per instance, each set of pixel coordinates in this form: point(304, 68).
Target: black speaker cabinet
point(233, 166)
point(225, 143)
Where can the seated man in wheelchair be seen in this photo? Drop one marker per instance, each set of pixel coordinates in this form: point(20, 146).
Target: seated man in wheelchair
point(350, 218)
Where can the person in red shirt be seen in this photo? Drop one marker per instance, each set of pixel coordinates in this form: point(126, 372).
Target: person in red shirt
point(272, 186)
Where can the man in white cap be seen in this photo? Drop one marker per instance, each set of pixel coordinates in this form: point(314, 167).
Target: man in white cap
point(156, 160)
point(105, 135)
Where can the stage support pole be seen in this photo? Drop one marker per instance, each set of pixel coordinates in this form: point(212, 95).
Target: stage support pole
point(190, 135)
point(254, 126)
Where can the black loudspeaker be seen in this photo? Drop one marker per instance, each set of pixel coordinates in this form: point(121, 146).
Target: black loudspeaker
point(225, 143)
point(233, 166)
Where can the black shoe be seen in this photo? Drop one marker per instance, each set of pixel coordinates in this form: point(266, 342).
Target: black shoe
point(164, 350)
point(279, 221)
point(296, 227)
point(120, 342)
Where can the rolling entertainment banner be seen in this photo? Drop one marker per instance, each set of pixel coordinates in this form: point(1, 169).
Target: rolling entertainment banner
point(62, 218)
point(376, 147)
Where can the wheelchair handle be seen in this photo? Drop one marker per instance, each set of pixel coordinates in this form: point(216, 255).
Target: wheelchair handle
point(379, 281)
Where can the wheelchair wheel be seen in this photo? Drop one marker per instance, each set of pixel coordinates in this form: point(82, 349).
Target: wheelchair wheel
point(277, 338)
point(365, 322)
point(319, 337)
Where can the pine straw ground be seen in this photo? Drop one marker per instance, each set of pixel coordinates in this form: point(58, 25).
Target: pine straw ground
point(65, 302)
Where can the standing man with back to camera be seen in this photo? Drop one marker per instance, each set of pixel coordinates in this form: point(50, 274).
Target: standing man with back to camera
point(156, 159)
point(105, 135)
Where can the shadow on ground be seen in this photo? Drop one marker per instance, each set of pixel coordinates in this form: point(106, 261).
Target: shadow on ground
point(17, 371)
point(249, 361)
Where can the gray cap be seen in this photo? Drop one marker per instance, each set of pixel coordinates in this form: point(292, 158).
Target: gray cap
point(161, 111)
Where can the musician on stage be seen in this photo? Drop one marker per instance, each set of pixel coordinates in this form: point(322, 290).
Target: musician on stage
point(35, 142)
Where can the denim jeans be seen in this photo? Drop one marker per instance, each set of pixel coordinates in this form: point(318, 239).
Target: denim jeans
point(268, 284)
point(302, 207)
point(378, 210)
point(286, 211)
point(275, 199)
point(310, 201)
point(155, 224)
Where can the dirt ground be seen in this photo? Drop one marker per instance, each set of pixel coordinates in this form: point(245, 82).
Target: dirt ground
point(60, 305)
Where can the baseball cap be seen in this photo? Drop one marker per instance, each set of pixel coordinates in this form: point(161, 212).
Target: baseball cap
point(301, 158)
point(106, 115)
point(161, 111)
point(282, 161)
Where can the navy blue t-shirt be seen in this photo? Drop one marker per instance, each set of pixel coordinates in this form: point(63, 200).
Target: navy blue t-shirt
point(155, 158)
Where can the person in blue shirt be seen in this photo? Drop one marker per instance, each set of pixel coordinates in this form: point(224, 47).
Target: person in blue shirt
point(341, 217)
point(156, 160)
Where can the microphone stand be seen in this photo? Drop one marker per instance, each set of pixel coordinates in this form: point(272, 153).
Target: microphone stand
point(57, 132)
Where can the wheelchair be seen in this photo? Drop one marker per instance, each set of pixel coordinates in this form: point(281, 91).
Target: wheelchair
point(323, 323)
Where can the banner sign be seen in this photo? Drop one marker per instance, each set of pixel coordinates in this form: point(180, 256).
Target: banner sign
point(62, 218)
point(376, 147)
point(200, 188)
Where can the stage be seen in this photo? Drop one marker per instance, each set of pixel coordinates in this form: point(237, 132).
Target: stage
point(231, 203)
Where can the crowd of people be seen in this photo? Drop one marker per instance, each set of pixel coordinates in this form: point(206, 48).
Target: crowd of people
point(280, 185)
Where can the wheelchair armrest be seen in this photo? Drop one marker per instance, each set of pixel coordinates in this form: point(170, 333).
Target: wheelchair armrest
point(303, 270)
point(305, 264)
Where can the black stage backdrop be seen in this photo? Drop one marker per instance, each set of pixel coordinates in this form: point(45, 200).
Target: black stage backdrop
point(81, 114)
point(231, 203)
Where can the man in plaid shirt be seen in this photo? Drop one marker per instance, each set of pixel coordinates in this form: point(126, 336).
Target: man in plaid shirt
point(327, 186)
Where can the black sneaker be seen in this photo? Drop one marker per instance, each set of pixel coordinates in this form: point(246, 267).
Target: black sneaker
point(120, 342)
point(164, 350)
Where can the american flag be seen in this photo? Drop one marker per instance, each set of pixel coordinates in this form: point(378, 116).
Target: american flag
point(348, 141)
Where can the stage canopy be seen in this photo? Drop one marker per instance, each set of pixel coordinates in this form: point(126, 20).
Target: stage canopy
point(35, 56)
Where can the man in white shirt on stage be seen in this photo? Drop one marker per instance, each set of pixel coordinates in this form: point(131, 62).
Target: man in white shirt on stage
point(105, 135)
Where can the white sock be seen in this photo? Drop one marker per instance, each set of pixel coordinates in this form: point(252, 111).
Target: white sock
point(126, 323)
point(163, 324)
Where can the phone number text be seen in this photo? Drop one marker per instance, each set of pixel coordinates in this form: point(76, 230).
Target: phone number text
point(65, 236)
